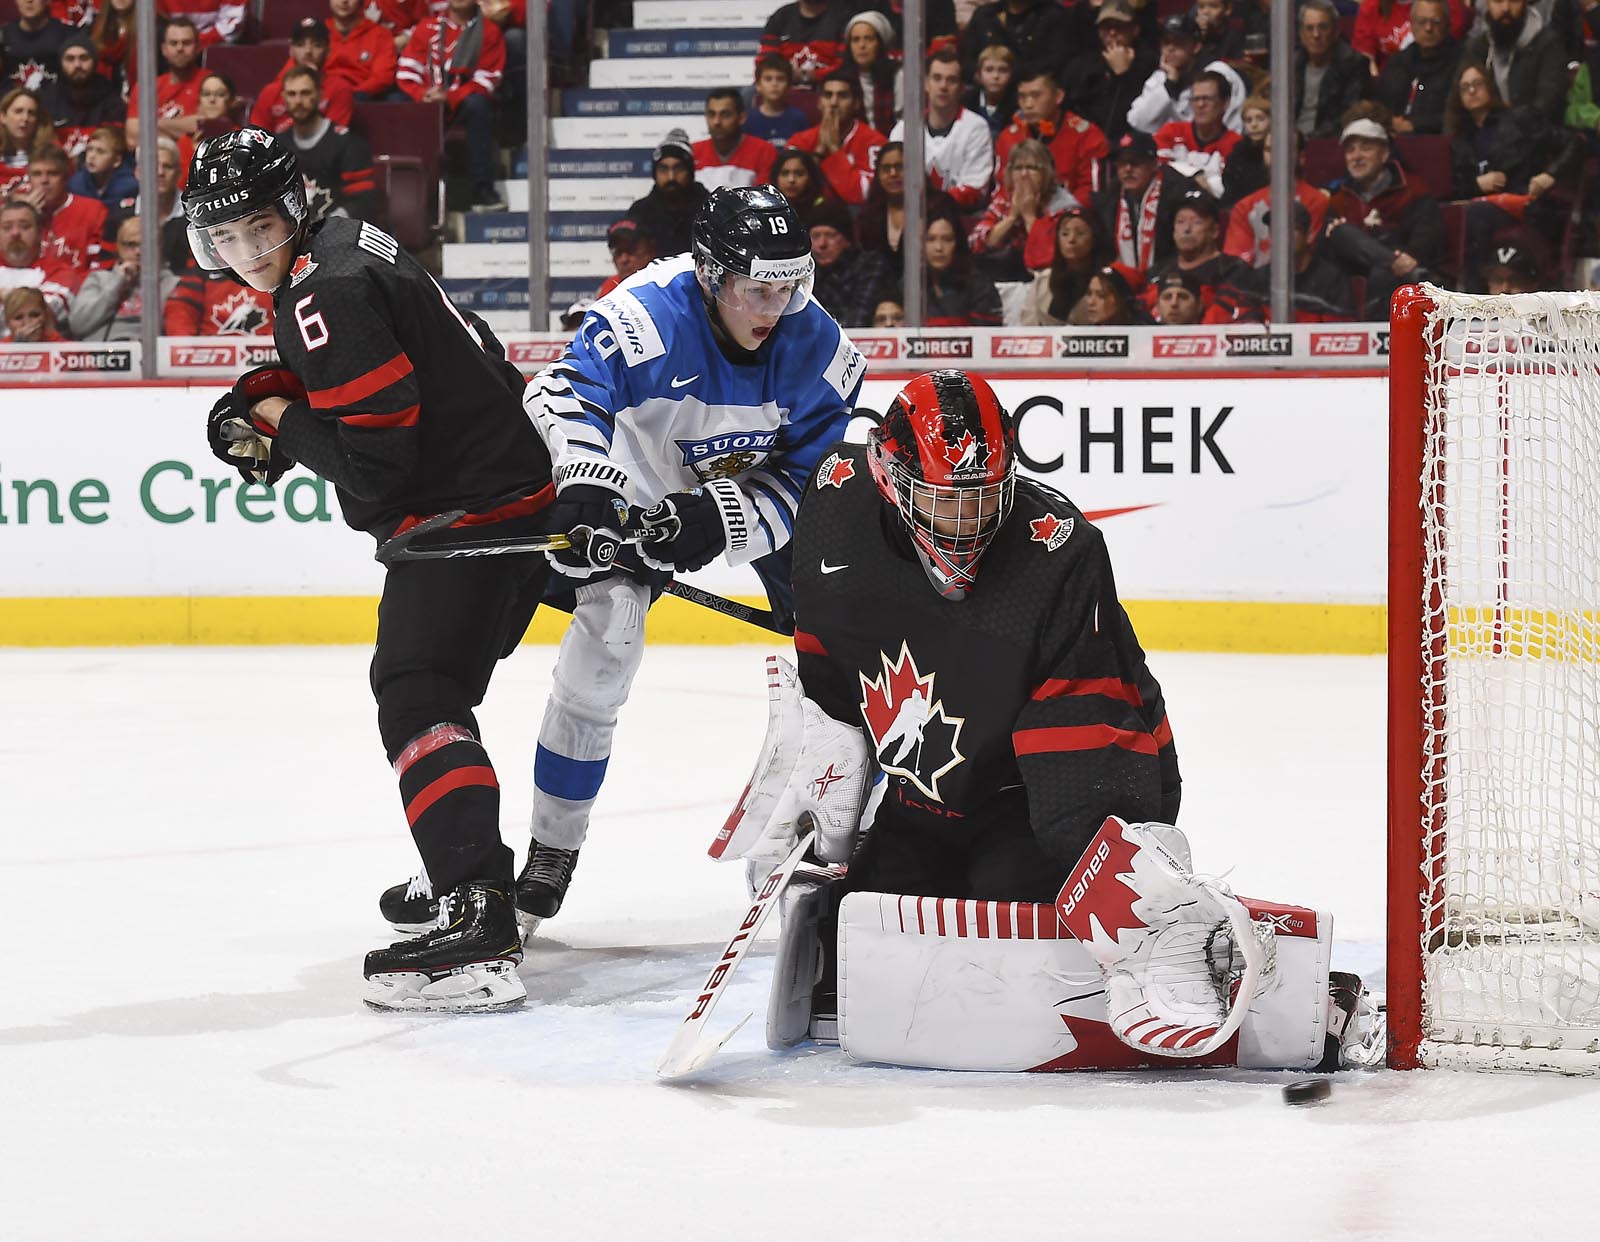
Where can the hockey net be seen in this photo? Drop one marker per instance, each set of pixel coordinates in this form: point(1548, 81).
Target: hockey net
point(1494, 681)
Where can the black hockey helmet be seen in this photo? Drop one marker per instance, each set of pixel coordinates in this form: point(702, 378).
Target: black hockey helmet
point(750, 231)
point(236, 175)
point(945, 458)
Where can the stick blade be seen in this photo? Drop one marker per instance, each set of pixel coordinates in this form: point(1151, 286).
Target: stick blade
point(691, 1049)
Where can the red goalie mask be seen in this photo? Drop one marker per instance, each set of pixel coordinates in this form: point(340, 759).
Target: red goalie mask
point(945, 457)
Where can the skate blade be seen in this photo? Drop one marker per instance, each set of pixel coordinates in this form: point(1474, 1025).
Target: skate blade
point(482, 988)
point(529, 924)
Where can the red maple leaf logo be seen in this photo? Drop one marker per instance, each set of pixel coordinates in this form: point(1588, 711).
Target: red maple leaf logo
point(1095, 892)
point(1051, 531)
point(882, 696)
point(835, 471)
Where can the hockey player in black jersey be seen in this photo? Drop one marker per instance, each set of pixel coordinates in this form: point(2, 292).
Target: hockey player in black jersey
point(408, 408)
point(1010, 712)
point(959, 635)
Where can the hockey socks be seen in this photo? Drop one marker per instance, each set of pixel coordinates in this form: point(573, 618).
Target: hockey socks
point(452, 802)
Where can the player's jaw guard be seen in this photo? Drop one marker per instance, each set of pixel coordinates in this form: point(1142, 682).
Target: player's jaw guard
point(945, 458)
point(234, 176)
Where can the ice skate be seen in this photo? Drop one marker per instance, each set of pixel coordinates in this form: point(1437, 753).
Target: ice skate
point(410, 908)
point(467, 963)
point(542, 886)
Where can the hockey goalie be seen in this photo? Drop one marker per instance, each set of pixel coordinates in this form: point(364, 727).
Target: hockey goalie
point(985, 765)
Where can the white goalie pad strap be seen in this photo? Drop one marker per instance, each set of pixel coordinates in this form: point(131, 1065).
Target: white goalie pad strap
point(809, 765)
point(797, 964)
point(940, 983)
point(1165, 940)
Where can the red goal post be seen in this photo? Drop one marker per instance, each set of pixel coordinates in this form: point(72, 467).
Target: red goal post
point(1494, 681)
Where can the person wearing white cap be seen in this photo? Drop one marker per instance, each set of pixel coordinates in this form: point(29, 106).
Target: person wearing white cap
point(868, 37)
point(1381, 226)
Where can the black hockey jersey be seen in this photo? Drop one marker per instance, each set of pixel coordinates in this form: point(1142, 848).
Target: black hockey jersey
point(338, 170)
point(1028, 700)
point(412, 408)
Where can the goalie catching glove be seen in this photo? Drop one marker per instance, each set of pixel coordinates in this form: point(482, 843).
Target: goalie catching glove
point(239, 441)
point(811, 768)
point(1181, 959)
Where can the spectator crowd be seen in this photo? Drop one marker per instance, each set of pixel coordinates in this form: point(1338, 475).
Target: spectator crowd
point(1089, 161)
point(1108, 161)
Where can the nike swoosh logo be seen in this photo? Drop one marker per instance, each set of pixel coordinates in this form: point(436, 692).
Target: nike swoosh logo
point(832, 569)
point(679, 383)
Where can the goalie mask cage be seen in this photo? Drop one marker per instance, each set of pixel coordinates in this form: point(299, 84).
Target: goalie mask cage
point(1494, 681)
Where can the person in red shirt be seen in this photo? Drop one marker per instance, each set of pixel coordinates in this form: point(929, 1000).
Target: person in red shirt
point(360, 52)
point(308, 49)
point(24, 266)
point(71, 227)
point(215, 21)
point(456, 59)
point(1077, 145)
point(845, 147)
point(177, 90)
point(809, 34)
point(1200, 147)
point(209, 304)
point(730, 157)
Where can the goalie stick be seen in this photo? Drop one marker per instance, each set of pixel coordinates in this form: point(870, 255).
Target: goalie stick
point(403, 547)
point(693, 1046)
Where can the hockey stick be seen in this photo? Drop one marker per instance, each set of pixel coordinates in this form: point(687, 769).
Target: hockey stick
point(403, 547)
point(693, 1045)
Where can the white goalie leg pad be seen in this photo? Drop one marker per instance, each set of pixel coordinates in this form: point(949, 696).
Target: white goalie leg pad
point(810, 764)
point(1166, 941)
point(797, 968)
point(940, 983)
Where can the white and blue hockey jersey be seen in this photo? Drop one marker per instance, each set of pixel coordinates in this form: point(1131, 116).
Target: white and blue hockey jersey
point(644, 386)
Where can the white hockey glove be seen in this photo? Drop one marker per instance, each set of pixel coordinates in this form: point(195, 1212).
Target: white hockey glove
point(810, 764)
point(1180, 957)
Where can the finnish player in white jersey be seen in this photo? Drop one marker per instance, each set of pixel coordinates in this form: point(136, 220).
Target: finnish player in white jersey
point(691, 406)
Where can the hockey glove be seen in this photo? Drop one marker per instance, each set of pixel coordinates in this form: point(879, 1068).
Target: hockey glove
point(590, 507)
point(687, 530)
point(239, 442)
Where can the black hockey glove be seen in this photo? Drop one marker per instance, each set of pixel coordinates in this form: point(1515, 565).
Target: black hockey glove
point(595, 515)
point(685, 530)
point(238, 442)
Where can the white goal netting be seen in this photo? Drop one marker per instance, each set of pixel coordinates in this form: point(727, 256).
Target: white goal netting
point(1511, 682)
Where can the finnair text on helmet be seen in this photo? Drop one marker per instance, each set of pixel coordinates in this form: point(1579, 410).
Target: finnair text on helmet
point(780, 269)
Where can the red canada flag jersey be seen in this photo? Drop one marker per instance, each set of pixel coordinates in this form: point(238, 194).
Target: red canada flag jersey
point(364, 60)
point(58, 282)
point(175, 96)
point(1077, 145)
point(218, 21)
point(849, 169)
point(74, 233)
point(750, 163)
point(201, 307)
point(429, 55)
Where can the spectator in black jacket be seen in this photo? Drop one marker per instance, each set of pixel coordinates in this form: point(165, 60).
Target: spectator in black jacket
point(1330, 76)
point(1102, 84)
point(30, 46)
point(81, 99)
point(1498, 156)
point(958, 295)
point(847, 277)
point(666, 214)
point(1136, 214)
point(1036, 30)
point(1527, 59)
point(810, 35)
point(1415, 82)
point(993, 95)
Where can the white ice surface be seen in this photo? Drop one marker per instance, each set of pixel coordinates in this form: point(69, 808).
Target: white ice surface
point(191, 845)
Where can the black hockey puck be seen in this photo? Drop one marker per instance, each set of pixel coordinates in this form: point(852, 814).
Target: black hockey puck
point(1308, 1091)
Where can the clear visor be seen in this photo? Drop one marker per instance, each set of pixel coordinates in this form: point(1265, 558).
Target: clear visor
point(765, 298)
point(243, 243)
